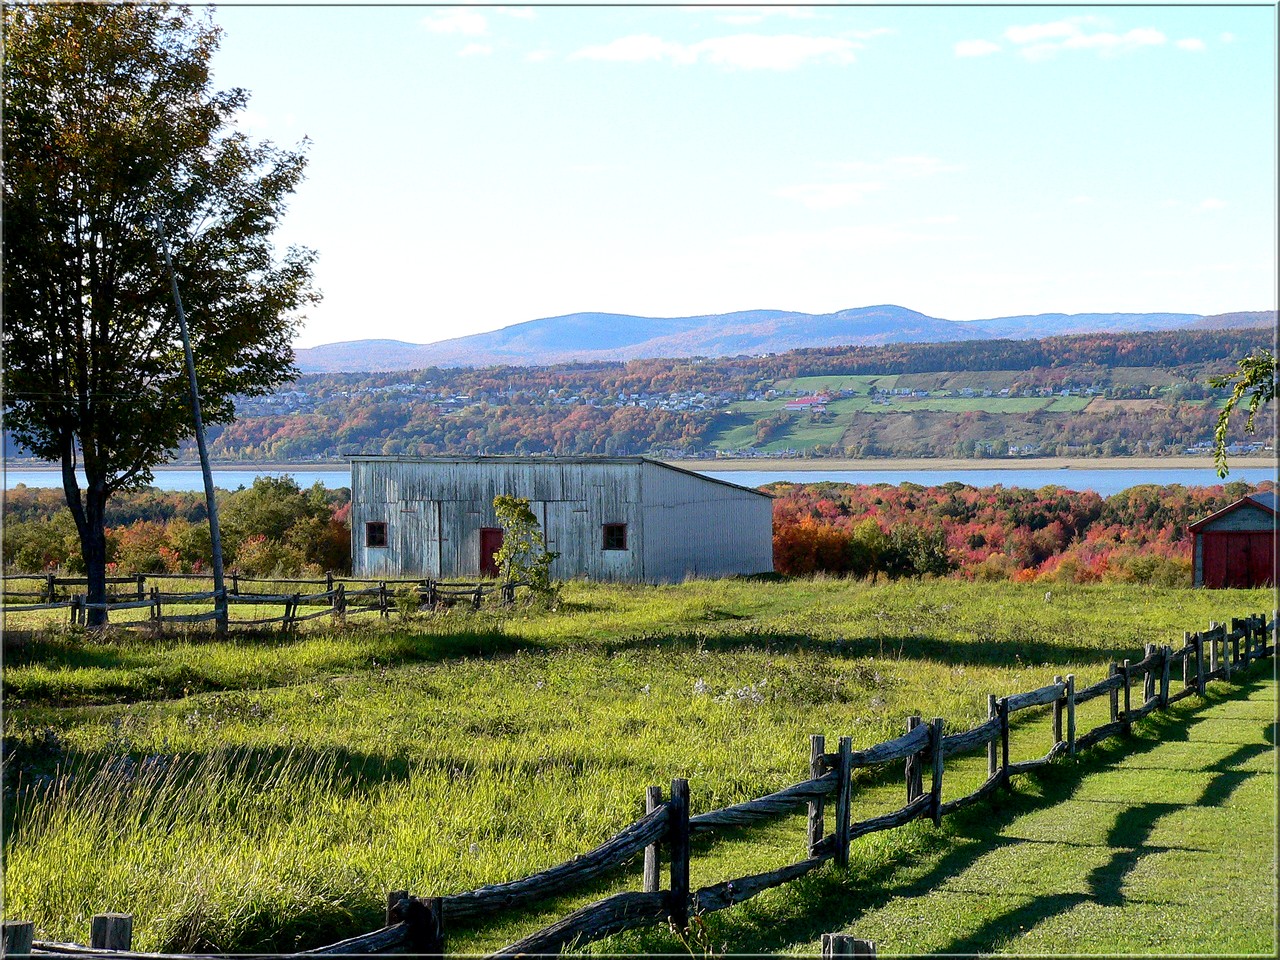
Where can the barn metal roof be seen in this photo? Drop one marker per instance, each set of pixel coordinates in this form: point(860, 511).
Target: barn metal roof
point(562, 460)
point(1264, 500)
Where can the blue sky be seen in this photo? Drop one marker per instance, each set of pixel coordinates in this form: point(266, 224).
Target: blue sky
point(478, 166)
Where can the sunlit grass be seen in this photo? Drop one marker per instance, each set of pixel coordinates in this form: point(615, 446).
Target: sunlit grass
point(264, 793)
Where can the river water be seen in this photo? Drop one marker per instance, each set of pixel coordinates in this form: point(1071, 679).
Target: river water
point(1103, 481)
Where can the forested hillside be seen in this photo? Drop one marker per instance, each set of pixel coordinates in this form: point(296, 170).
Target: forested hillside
point(1103, 394)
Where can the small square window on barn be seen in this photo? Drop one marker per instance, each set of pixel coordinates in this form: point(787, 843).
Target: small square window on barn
point(615, 536)
point(375, 534)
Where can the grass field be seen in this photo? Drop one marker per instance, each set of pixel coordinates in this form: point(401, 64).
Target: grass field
point(265, 793)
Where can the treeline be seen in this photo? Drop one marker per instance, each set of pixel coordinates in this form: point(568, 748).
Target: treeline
point(272, 528)
point(992, 533)
point(275, 528)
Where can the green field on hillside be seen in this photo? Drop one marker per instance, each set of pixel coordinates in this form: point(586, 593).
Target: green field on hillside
point(263, 794)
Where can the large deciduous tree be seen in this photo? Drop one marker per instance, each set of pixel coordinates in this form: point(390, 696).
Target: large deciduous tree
point(115, 136)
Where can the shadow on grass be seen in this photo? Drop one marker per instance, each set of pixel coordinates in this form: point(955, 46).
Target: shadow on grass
point(141, 677)
point(833, 900)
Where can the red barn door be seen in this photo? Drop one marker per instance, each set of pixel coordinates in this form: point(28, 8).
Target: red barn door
point(490, 543)
point(1214, 559)
point(1262, 559)
point(1239, 559)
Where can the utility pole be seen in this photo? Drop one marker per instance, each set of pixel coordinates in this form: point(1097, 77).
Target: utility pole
point(215, 535)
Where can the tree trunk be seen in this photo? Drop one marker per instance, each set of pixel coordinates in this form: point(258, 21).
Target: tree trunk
point(89, 513)
point(93, 546)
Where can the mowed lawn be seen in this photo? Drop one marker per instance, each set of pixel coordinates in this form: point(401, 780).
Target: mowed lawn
point(265, 793)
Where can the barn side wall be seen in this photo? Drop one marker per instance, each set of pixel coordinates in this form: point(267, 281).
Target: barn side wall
point(697, 527)
point(435, 512)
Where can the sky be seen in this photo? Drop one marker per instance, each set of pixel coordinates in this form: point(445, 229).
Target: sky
point(477, 166)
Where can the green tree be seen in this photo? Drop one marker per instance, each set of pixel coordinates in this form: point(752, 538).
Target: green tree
point(1255, 378)
point(114, 135)
point(523, 556)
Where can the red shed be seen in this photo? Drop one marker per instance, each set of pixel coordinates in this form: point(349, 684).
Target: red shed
point(1236, 547)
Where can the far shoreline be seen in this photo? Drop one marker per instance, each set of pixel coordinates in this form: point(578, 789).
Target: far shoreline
point(791, 464)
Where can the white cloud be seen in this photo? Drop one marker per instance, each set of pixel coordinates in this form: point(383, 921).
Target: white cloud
point(1212, 203)
point(1141, 37)
point(1082, 199)
point(538, 56)
point(466, 22)
point(1190, 43)
point(1228, 38)
point(1045, 31)
point(744, 51)
point(976, 48)
point(475, 50)
point(780, 52)
point(520, 13)
point(828, 196)
point(1043, 40)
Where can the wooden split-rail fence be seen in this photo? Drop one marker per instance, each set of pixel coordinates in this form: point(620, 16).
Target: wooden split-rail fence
point(1134, 690)
point(336, 598)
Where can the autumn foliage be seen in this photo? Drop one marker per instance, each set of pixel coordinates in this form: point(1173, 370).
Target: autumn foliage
point(992, 533)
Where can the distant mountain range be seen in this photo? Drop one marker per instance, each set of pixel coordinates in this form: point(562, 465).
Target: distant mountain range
point(613, 336)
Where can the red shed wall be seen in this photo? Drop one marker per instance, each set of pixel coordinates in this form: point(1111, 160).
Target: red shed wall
point(1239, 558)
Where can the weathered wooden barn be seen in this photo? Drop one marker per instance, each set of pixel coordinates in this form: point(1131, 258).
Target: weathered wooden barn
point(1236, 547)
point(617, 518)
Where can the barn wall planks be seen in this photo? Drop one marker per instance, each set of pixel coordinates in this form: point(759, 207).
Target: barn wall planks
point(678, 524)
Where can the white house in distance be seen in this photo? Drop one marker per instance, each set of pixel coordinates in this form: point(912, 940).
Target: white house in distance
point(614, 518)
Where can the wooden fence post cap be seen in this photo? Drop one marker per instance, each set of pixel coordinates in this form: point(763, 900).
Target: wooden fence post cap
point(17, 937)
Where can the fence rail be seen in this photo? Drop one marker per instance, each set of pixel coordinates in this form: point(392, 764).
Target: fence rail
point(336, 600)
point(416, 925)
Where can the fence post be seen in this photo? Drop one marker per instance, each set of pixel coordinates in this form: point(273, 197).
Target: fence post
point(1003, 706)
point(844, 945)
point(1213, 647)
point(652, 883)
point(1237, 631)
point(340, 600)
point(1199, 638)
point(1187, 641)
point(843, 798)
point(111, 931)
point(382, 598)
point(328, 585)
point(678, 844)
point(50, 588)
point(1166, 654)
point(1113, 693)
point(992, 762)
point(1149, 676)
point(17, 937)
point(394, 911)
point(817, 746)
point(142, 586)
point(1128, 706)
point(475, 603)
point(1058, 706)
point(935, 791)
point(1071, 714)
point(235, 584)
point(912, 768)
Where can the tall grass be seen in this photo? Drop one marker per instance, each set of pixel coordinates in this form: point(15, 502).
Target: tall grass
point(264, 794)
